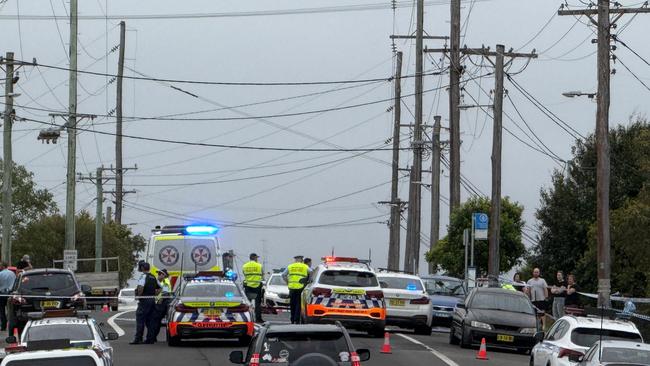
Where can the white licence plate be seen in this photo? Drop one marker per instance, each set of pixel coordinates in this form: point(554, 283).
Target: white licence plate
point(442, 314)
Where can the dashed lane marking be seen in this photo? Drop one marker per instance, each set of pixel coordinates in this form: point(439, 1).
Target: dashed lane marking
point(111, 322)
point(436, 353)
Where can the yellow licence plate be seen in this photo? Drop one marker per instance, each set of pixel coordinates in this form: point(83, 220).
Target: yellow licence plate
point(212, 312)
point(97, 292)
point(397, 302)
point(50, 304)
point(505, 338)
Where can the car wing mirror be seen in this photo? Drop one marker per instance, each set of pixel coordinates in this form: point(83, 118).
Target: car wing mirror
point(112, 336)
point(236, 357)
point(539, 336)
point(86, 289)
point(364, 354)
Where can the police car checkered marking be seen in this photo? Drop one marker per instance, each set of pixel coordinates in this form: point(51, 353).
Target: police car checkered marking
point(334, 301)
point(202, 318)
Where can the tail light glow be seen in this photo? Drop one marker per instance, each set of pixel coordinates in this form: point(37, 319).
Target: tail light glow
point(421, 301)
point(568, 352)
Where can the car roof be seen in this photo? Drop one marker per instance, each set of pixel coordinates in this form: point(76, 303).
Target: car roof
point(596, 322)
point(437, 277)
point(35, 355)
point(59, 320)
point(397, 275)
point(352, 266)
point(626, 344)
point(45, 270)
point(302, 328)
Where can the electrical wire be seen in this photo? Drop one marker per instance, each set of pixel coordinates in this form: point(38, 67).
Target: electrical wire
point(539, 32)
point(632, 73)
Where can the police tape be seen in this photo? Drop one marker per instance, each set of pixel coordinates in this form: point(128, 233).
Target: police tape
point(636, 300)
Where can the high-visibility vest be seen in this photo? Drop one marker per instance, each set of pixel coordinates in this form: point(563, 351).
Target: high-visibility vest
point(252, 274)
point(296, 272)
point(508, 286)
point(166, 287)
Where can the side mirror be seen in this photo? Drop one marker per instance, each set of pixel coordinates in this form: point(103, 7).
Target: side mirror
point(112, 336)
point(237, 357)
point(364, 354)
point(10, 339)
point(86, 289)
point(460, 305)
point(539, 336)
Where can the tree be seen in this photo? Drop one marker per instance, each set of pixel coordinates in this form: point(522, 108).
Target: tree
point(29, 202)
point(44, 240)
point(449, 253)
point(567, 212)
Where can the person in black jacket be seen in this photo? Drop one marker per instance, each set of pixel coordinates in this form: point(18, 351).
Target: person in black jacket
point(144, 316)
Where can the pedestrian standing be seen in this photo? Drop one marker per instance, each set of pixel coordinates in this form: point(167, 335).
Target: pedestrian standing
point(162, 304)
point(296, 275)
point(559, 291)
point(7, 280)
point(538, 292)
point(25, 263)
point(146, 291)
point(572, 297)
point(253, 278)
point(517, 283)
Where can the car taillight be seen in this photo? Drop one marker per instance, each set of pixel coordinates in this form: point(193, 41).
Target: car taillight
point(355, 359)
point(241, 308)
point(181, 308)
point(317, 291)
point(421, 301)
point(18, 300)
point(379, 295)
point(255, 360)
point(566, 352)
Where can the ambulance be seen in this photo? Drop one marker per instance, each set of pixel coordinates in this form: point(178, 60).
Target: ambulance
point(185, 250)
point(347, 290)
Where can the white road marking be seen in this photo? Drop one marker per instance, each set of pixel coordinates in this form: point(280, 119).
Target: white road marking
point(438, 354)
point(111, 322)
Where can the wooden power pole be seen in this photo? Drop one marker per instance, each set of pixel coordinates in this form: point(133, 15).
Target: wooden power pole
point(7, 207)
point(395, 204)
point(454, 107)
point(604, 25)
point(119, 174)
point(435, 186)
point(72, 134)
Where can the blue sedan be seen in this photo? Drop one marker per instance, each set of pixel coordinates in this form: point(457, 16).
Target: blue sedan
point(445, 293)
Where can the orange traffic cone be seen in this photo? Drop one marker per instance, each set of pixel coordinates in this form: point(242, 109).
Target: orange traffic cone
point(386, 347)
point(17, 337)
point(105, 308)
point(482, 352)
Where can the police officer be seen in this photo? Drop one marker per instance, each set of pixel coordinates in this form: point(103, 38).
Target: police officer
point(160, 308)
point(295, 275)
point(146, 290)
point(253, 277)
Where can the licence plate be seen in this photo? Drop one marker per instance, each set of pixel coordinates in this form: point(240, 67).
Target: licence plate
point(397, 302)
point(212, 312)
point(50, 304)
point(97, 292)
point(505, 338)
point(442, 314)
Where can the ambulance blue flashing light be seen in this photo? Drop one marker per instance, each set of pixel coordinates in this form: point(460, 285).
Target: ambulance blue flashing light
point(231, 275)
point(201, 230)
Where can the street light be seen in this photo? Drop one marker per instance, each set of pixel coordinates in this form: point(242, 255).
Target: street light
point(573, 94)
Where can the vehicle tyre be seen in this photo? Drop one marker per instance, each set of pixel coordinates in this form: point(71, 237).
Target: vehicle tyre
point(423, 330)
point(532, 360)
point(244, 341)
point(377, 332)
point(114, 308)
point(452, 337)
point(173, 341)
point(464, 338)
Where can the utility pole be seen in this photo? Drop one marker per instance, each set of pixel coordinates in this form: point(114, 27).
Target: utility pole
point(412, 256)
point(497, 139)
point(455, 70)
point(395, 203)
point(72, 134)
point(119, 187)
point(435, 186)
point(109, 215)
point(9, 114)
point(604, 36)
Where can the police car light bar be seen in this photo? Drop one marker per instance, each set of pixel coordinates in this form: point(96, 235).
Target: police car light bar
point(201, 230)
point(330, 259)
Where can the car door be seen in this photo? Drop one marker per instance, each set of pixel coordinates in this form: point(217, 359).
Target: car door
point(459, 315)
point(544, 351)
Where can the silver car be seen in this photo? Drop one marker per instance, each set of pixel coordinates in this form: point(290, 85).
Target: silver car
point(616, 353)
point(407, 303)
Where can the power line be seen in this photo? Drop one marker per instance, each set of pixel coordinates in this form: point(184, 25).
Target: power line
point(633, 74)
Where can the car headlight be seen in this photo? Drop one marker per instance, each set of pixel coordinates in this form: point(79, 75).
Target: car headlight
point(528, 330)
point(482, 325)
point(271, 293)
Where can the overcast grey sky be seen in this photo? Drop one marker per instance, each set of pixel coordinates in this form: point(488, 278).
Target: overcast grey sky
point(288, 48)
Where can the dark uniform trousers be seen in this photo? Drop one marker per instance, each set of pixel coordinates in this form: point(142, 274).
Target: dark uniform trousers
point(144, 317)
point(294, 305)
point(255, 295)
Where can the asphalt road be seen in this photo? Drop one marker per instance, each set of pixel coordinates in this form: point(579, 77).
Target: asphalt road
point(407, 348)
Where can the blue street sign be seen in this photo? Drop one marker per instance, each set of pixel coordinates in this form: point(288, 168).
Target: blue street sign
point(480, 221)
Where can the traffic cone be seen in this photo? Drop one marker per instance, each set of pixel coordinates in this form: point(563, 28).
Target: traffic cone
point(17, 338)
point(386, 347)
point(482, 352)
point(105, 308)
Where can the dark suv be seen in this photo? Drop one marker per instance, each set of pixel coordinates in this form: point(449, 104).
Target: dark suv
point(43, 289)
point(301, 345)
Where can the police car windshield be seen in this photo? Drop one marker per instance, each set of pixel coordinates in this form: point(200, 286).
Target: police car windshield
point(211, 289)
point(55, 283)
point(401, 283)
point(347, 278)
point(277, 281)
point(286, 348)
point(73, 332)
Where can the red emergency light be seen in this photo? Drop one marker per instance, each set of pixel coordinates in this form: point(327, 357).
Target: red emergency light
point(331, 259)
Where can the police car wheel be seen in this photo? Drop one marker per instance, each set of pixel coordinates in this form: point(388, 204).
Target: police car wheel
point(114, 308)
point(245, 340)
point(423, 330)
point(173, 341)
point(377, 332)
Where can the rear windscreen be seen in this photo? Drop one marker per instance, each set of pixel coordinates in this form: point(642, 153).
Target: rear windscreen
point(401, 283)
point(585, 337)
point(210, 290)
point(54, 283)
point(57, 361)
point(348, 279)
point(626, 355)
point(329, 348)
point(73, 332)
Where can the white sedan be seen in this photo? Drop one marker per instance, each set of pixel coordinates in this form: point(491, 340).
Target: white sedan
point(407, 303)
point(617, 352)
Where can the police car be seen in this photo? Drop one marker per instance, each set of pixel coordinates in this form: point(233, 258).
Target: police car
point(407, 303)
point(75, 327)
point(56, 357)
point(347, 290)
point(209, 305)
